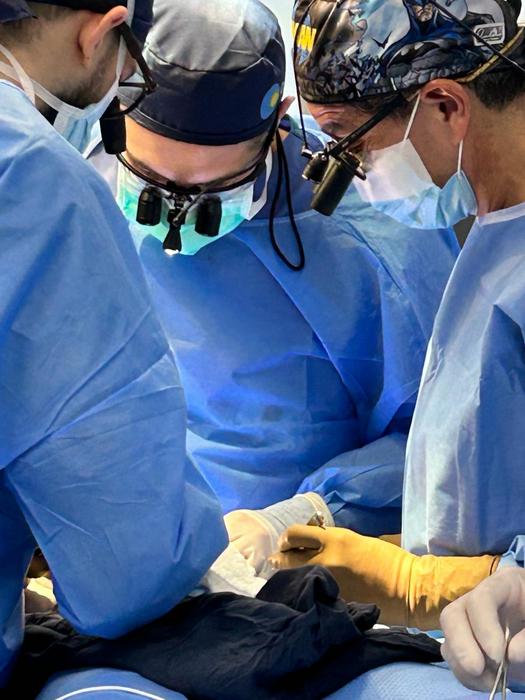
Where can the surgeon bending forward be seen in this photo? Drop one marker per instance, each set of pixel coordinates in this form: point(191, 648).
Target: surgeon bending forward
point(455, 145)
point(300, 338)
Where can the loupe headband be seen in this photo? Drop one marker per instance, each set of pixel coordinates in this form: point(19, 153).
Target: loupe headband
point(171, 187)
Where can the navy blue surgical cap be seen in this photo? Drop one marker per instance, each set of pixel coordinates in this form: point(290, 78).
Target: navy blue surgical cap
point(11, 10)
point(219, 68)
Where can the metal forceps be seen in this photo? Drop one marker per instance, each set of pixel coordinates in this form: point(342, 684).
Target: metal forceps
point(500, 683)
point(317, 519)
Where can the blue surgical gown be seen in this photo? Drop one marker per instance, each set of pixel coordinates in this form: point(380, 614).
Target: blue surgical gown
point(464, 491)
point(93, 466)
point(300, 381)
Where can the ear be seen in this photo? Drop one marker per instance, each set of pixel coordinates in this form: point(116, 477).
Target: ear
point(285, 106)
point(95, 29)
point(450, 104)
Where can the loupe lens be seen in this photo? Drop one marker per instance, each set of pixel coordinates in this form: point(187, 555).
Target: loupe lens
point(149, 208)
point(337, 180)
point(209, 215)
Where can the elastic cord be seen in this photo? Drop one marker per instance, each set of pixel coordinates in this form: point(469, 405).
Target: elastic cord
point(412, 117)
point(111, 688)
point(460, 156)
point(282, 164)
point(16, 72)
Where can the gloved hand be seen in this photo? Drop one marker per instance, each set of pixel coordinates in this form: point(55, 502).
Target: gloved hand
point(255, 533)
point(475, 626)
point(409, 590)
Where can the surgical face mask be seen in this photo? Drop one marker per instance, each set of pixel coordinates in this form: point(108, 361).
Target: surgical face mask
point(237, 204)
point(399, 185)
point(73, 123)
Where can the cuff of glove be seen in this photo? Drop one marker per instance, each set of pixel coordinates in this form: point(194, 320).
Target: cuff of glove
point(322, 511)
point(437, 581)
point(297, 510)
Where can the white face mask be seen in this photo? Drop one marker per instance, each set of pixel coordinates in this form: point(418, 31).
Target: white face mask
point(399, 185)
point(73, 123)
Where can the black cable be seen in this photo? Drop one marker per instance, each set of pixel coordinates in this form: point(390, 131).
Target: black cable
point(282, 165)
point(289, 201)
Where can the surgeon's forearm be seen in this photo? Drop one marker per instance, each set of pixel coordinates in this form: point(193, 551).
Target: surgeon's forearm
point(422, 586)
point(410, 590)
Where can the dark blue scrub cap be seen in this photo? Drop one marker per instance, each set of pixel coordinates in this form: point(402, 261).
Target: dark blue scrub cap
point(353, 49)
point(11, 10)
point(219, 68)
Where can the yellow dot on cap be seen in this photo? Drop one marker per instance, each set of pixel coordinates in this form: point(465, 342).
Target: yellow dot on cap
point(270, 101)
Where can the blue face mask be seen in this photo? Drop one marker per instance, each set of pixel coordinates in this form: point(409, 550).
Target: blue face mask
point(399, 185)
point(237, 206)
point(73, 123)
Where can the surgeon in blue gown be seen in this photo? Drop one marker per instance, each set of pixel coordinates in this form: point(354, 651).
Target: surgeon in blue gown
point(93, 465)
point(463, 491)
point(455, 147)
point(300, 379)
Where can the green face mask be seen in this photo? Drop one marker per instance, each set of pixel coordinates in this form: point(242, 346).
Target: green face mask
point(237, 206)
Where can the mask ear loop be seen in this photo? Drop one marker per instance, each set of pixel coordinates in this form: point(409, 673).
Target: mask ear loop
point(19, 74)
point(259, 203)
point(460, 156)
point(412, 117)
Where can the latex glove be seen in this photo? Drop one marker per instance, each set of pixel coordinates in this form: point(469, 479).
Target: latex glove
point(255, 533)
point(410, 590)
point(475, 626)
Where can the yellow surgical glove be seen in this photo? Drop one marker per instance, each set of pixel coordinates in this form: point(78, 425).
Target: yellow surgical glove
point(410, 590)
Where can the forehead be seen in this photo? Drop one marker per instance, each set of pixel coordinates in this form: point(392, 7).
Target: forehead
point(185, 162)
point(337, 120)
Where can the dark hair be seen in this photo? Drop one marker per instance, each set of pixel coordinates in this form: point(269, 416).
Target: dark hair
point(498, 89)
point(26, 30)
point(371, 105)
point(495, 90)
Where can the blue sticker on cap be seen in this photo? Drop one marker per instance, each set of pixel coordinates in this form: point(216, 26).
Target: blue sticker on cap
point(270, 101)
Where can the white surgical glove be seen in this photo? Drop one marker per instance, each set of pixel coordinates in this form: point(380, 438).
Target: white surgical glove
point(255, 533)
point(475, 626)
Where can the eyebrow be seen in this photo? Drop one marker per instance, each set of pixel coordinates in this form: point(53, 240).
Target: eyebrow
point(335, 125)
point(148, 172)
point(331, 127)
point(145, 169)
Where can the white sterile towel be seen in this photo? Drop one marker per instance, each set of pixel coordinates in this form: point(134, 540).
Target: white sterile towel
point(231, 573)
